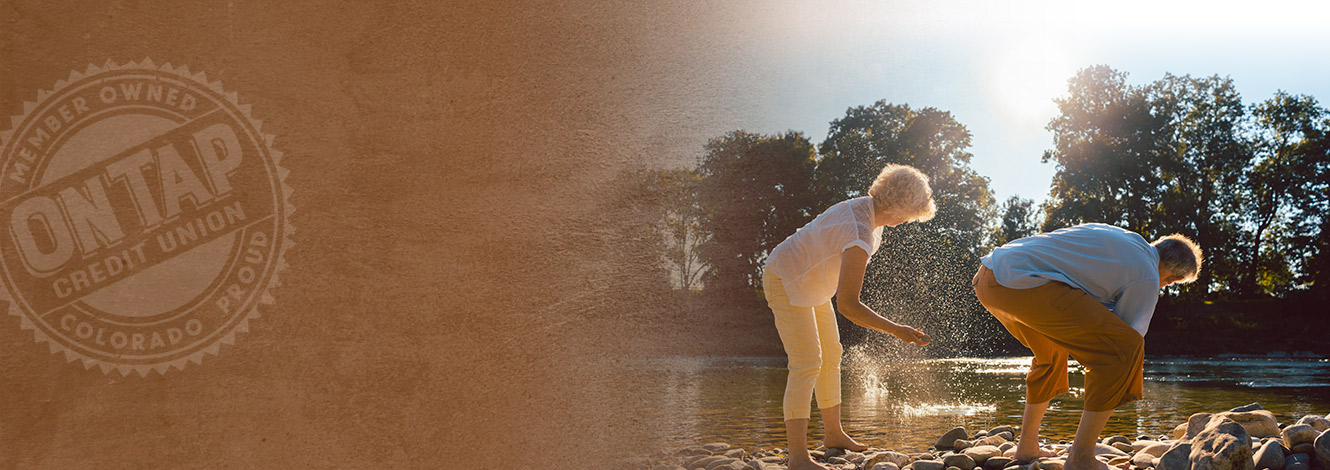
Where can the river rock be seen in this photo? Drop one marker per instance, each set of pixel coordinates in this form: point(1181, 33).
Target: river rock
point(1258, 423)
point(1271, 456)
point(1297, 462)
point(1116, 438)
point(1298, 434)
point(704, 461)
point(1124, 447)
point(1223, 445)
point(980, 454)
point(1049, 464)
point(884, 466)
point(997, 463)
point(1194, 425)
point(1321, 424)
point(1248, 407)
point(1303, 448)
point(1118, 461)
point(1007, 446)
point(1142, 459)
point(994, 440)
point(1176, 458)
point(948, 440)
point(927, 465)
point(1156, 449)
point(962, 444)
point(1001, 429)
point(896, 458)
point(1100, 449)
point(716, 446)
point(1322, 446)
point(962, 461)
point(833, 452)
point(724, 464)
point(736, 454)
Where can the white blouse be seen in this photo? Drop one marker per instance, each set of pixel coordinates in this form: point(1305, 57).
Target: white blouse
point(808, 262)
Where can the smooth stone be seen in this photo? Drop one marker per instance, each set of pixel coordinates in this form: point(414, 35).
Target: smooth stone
point(1317, 422)
point(1118, 461)
point(981, 434)
point(884, 466)
point(833, 452)
point(1258, 423)
point(980, 454)
point(1270, 455)
point(927, 465)
point(716, 446)
point(1100, 449)
point(996, 440)
point(1248, 407)
point(1127, 448)
point(1322, 446)
point(723, 463)
point(772, 459)
point(1142, 459)
point(1116, 438)
point(896, 458)
point(1156, 450)
point(962, 444)
point(1298, 434)
point(1194, 425)
point(964, 462)
point(1001, 429)
point(1223, 445)
point(1303, 448)
point(704, 461)
point(1050, 464)
point(1143, 437)
point(736, 454)
point(948, 440)
point(837, 461)
point(1007, 446)
point(1176, 458)
point(997, 463)
point(1297, 462)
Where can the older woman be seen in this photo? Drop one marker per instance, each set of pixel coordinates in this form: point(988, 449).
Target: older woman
point(826, 258)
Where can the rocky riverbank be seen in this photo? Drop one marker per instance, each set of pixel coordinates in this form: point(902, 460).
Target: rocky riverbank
point(1244, 438)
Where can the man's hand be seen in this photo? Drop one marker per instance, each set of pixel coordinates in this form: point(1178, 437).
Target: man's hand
point(910, 335)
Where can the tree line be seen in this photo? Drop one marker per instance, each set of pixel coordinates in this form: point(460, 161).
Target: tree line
point(1250, 182)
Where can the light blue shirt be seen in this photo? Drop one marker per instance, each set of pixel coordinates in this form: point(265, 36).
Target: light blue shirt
point(1114, 266)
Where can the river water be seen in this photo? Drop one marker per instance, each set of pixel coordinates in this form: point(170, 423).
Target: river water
point(905, 404)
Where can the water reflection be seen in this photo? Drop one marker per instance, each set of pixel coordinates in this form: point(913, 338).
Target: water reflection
point(906, 403)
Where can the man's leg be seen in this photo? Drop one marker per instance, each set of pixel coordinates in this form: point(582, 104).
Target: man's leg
point(1081, 454)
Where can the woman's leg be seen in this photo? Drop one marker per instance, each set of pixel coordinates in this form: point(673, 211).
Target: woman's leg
point(828, 389)
point(798, 333)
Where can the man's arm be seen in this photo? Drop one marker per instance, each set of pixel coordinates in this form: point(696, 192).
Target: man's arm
point(853, 265)
point(1137, 304)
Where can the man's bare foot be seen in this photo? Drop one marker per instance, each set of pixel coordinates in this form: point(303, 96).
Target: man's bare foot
point(1080, 463)
point(1028, 455)
point(843, 441)
point(806, 464)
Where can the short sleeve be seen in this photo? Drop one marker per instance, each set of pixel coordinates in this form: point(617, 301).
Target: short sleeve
point(1137, 304)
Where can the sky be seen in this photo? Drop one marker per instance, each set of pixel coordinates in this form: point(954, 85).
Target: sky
point(998, 65)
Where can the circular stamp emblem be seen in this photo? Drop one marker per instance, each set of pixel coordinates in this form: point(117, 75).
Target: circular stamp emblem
point(145, 217)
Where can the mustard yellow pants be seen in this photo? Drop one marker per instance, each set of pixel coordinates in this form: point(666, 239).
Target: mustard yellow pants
point(1056, 320)
point(812, 343)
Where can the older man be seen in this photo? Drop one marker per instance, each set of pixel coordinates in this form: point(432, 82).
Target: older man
point(1087, 291)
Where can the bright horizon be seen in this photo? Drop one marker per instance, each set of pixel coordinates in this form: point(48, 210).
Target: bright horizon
point(998, 66)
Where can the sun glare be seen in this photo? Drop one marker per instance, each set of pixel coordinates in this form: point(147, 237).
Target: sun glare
point(1026, 76)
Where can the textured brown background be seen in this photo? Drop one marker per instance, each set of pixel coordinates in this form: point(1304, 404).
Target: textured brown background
point(461, 289)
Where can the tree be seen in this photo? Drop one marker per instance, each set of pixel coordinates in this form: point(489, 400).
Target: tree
point(755, 191)
point(921, 274)
point(1018, 221)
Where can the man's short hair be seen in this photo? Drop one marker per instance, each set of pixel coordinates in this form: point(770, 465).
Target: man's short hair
point(1179, 256)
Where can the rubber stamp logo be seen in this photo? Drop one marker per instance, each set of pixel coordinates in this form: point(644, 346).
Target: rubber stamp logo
point(143, 217)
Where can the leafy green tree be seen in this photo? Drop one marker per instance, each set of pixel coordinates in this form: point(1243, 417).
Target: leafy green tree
point(754, 191)
point(1018, 221)
point(921, 274)
point(1286, 192)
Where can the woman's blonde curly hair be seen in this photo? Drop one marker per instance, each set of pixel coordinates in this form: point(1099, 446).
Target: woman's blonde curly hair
point(904, 191)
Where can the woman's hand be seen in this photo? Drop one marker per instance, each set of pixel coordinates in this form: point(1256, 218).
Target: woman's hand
point(910, 334)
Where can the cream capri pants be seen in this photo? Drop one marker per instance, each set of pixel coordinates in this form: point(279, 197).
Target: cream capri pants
point(812, 343)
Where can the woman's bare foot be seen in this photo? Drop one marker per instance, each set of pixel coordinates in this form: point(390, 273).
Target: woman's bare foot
point(843, 441)
point(806, 464)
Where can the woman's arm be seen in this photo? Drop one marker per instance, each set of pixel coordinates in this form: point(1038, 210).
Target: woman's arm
point(853, 265)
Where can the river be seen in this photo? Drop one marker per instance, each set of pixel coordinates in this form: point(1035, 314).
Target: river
point(905, 404)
